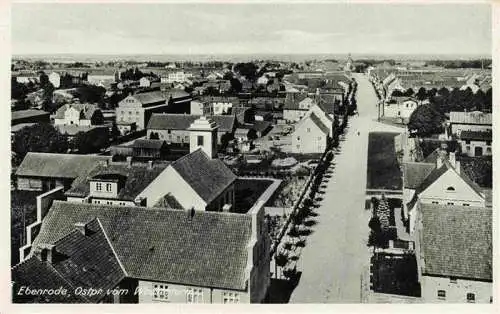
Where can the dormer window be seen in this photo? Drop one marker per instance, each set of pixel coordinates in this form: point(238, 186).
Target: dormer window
point(98, 186)
point(108, 187)
point(450, 189)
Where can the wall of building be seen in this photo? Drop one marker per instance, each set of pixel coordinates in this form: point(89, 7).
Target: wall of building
point(308, 138)
point(455, 292)
point(178, 136)
point(457, 128)
point(226, 197)
point(29, 184)
point(438, 193)
point(469, 149)
point(169, 181)
point(402, 110)
point(102, 201)
point(179, 293)
point(103, 193)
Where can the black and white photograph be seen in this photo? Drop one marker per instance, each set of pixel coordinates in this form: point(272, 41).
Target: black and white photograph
point(251, 152)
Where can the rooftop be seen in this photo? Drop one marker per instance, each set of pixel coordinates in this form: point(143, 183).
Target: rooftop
point(457, 241)
point(208, 249)
point(138, 177)
point(414, 173)
point(474, 117)
point(21, 114)
point(171, 121)
point(208, 177)
point(58, 165)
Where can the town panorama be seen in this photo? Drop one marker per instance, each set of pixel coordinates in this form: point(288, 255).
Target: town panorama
point(287, 177)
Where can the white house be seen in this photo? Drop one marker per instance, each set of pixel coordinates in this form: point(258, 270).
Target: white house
point(79, 115)
point(476, 143)
point(400, 107)
point(55, 79)
point(144, 82)
point(310, 135)
point(443, 185)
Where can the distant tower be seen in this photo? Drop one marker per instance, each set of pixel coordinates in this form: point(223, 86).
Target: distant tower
point(118, 75)
point(203, 133)
point(349, 64)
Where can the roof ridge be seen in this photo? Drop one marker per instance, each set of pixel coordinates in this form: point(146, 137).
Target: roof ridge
point(187, 155)
point(111, 247)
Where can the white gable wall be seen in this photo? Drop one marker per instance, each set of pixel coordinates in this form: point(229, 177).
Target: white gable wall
point(170, 181)
point(308, 138)
point(463, 193)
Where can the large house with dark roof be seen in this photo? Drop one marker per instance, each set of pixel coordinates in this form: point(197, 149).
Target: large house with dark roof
point(152, 255)
point(476, 143)
point(174, 128)
point(45, 171)
point(442, 183)
point(470, 121)
point(454, 253)
point(137, 109)
point(114, 183)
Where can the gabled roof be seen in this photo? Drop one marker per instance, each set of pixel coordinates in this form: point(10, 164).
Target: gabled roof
point(474, 117)
point(476, 135)
point(208, 177)
point(414, 173)
point(85, 261)
point(149, 98)
point(316, 120)
point(21, 114)
point(138, 177)
point(457, 241)
point(58, 165)
point(36, 274)
point(292, 101)
point(88, 110)
point(158, 244)
point(147, 143)
point(172, 121)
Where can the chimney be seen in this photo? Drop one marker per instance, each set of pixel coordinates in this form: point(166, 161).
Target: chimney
point(457, 166)
point(129, 161)
point(82, 227)
point(150, 164)
point(453, 159)
point(46, 252)
point(191, 213)
point(439, 161)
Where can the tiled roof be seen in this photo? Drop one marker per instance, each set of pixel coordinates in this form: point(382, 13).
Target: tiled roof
point(414, 173)
point(475, 117)
point(139, 176)
point(457, 241)
point(21, 114)
point(20, 126)
point(171, 121)
point(208, 250)
point(147, 143)
point(58, 165)
point(476, 135)
point(292, 101)
point(261, 126)
point(36, 274)
point(88, 110)
point(208, 177)
point(150, 98)
point(176, 94)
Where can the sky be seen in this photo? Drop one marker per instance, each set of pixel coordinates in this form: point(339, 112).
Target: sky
point(278, 28)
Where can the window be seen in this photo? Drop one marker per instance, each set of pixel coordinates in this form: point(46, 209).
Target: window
point(467, 147)
point(441, 294)
point(434, 202)
point(194, 295)
point(169, 131)
point(130, 112)
point(108, 187)
point(109, 203)
point(488, 143)
point(471, 297)
point(467, 142)
point(451, 203)
point(160, 292)
point(230, 297)
point(465, 204)
point(453, 280)
point(319, 137)
point(298, 138)
point(137, 112)
point(179, 139)
point(308, 130)
point(200, 140)
point(98, 186)
point(488, 150)
point(450, 188)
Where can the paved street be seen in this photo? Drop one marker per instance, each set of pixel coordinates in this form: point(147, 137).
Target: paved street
point(335, 253)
